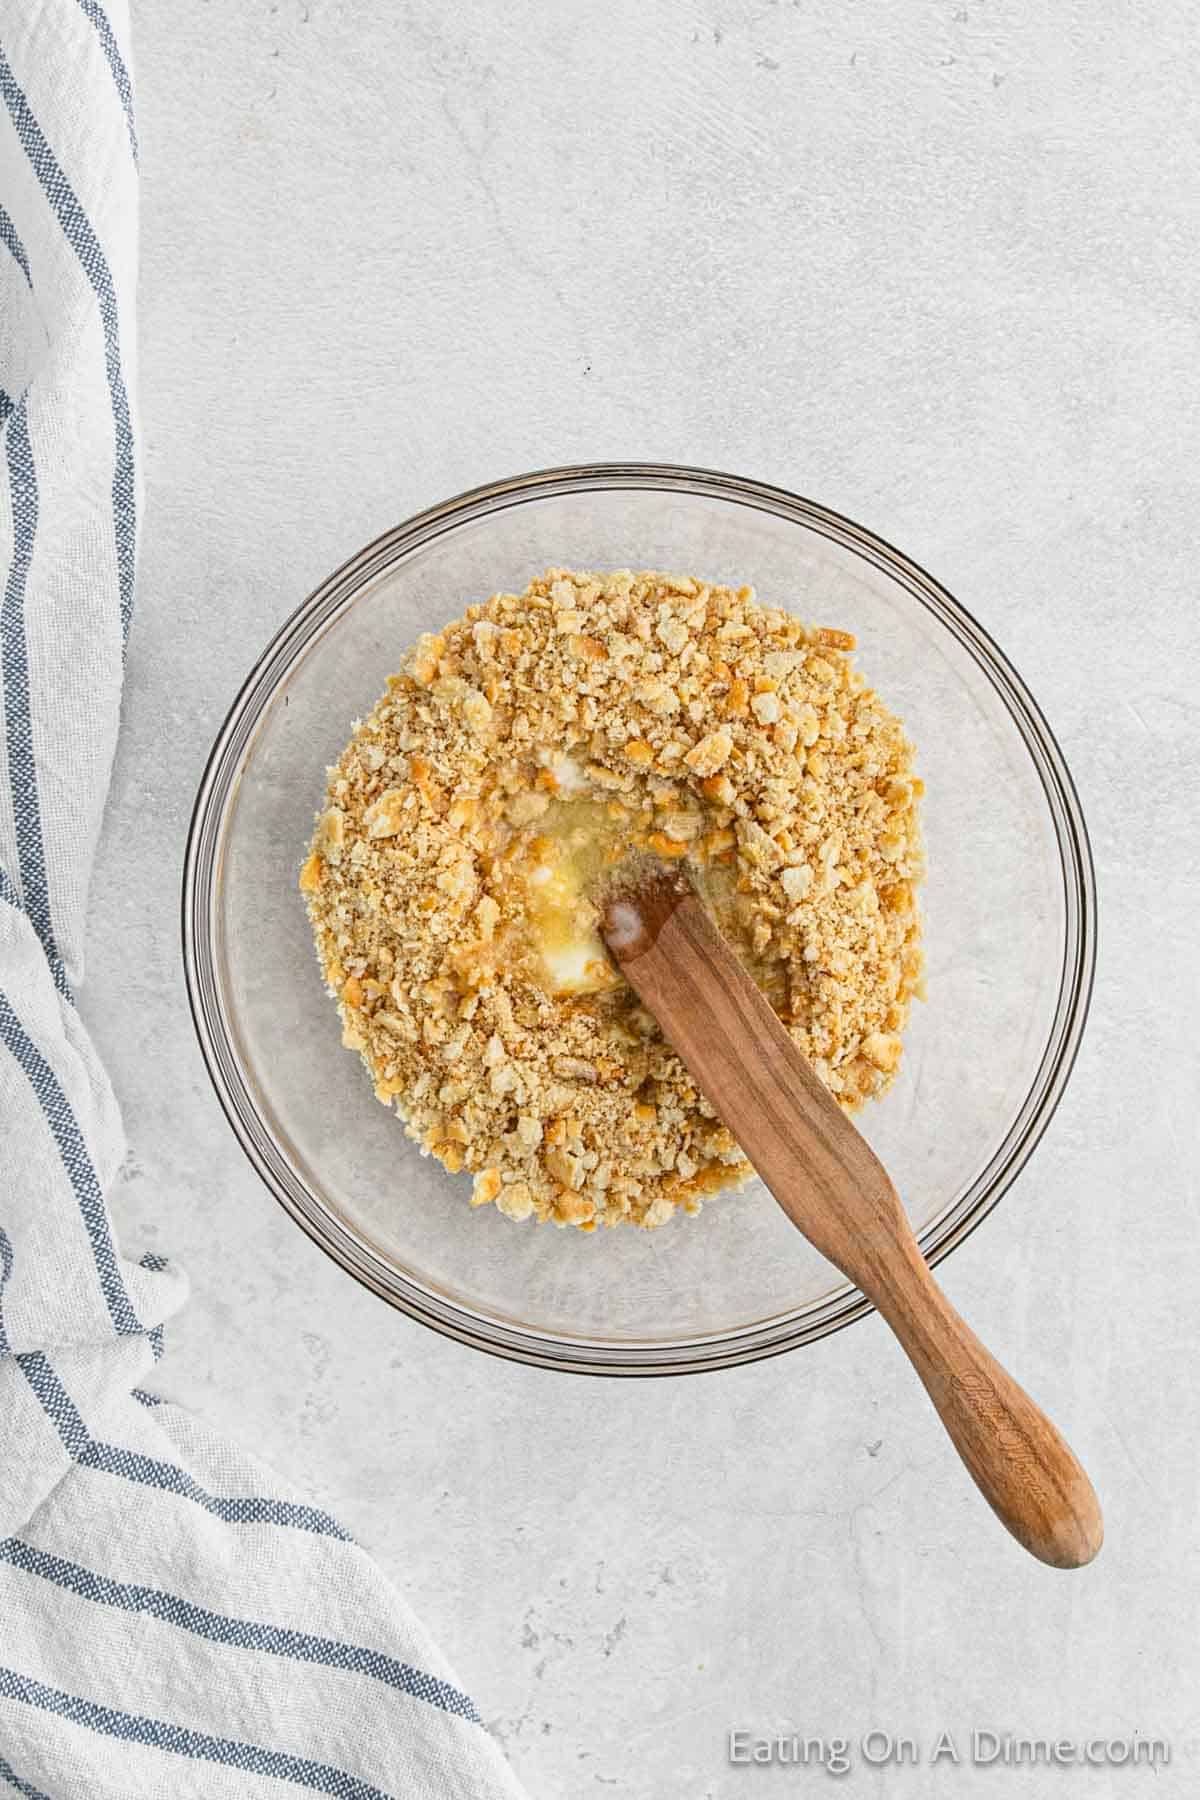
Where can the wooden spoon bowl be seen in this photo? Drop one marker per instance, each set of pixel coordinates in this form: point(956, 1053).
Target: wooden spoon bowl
point(834, 1189)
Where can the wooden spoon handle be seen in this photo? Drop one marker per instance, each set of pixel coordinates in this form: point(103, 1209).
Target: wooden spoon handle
point(834, 1189)
point(1019, 1461)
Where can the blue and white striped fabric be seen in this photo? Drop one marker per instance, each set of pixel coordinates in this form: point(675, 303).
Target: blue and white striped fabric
point(170, 1623)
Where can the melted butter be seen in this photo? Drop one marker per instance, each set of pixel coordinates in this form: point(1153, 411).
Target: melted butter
point(576, 840)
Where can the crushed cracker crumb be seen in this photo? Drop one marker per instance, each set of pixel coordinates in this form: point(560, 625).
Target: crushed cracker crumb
point(701, 724)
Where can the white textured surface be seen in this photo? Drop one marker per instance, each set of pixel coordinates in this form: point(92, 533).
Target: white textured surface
point(934, 265)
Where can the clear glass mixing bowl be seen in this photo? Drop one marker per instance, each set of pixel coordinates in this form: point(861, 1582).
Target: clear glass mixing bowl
point(1009, 929)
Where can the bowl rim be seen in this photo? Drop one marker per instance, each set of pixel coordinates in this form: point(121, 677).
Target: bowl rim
point(353, 1251)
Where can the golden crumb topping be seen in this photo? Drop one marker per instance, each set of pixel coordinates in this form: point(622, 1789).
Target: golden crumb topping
point(517, 752)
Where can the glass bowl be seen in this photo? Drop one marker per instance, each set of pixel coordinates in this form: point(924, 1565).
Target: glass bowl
point(1009, 931)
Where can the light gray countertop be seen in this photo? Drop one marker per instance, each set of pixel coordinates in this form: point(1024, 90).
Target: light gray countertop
point(934, 265)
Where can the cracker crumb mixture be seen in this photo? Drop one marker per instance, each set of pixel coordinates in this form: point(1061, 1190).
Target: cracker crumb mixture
point(544, 734)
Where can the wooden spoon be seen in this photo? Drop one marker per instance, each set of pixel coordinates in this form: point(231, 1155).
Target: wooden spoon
point(834, 1190)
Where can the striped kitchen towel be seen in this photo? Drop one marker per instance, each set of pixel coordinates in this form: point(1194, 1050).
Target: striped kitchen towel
point(171, 1624)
